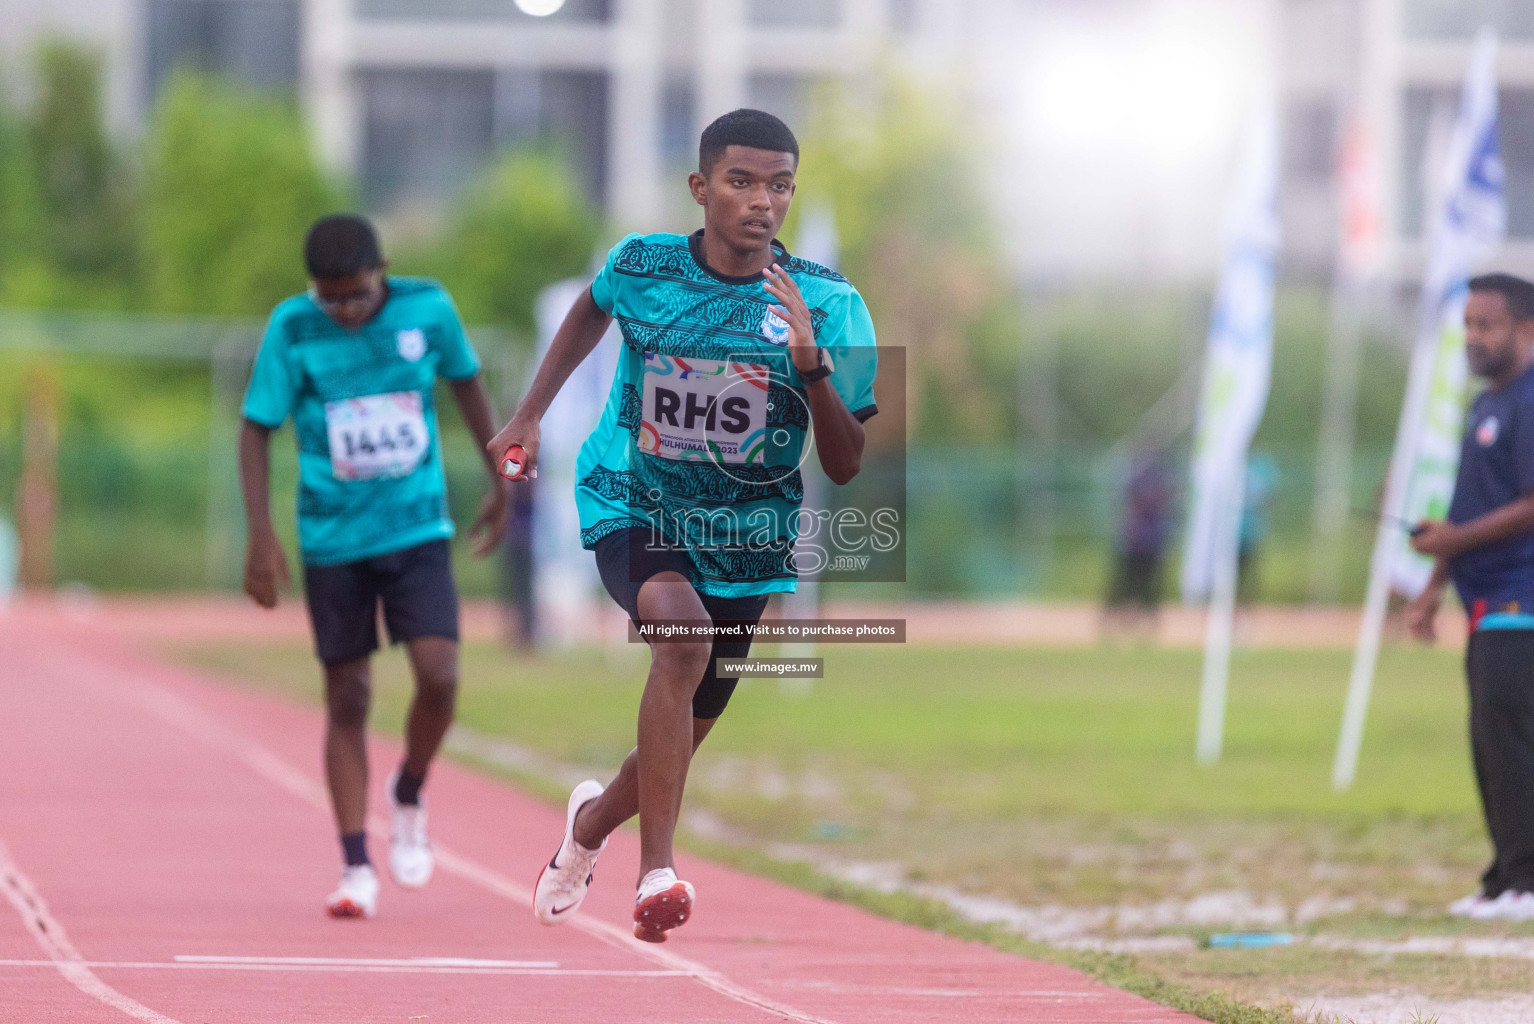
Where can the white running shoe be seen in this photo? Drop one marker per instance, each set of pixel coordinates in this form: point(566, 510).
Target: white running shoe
point(563, 883)
point(410, 857)
point(662, 903)
point(1510, 906)
point(1466, 906)
point(357, 895)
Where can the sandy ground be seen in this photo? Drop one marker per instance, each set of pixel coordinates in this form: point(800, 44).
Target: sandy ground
point(1408, 1008)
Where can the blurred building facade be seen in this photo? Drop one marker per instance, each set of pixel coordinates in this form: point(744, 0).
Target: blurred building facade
point(1119, 118)
point(1400, 65)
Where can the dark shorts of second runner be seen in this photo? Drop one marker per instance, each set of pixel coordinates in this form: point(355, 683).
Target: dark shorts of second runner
point(414, 585)
point(626, 561)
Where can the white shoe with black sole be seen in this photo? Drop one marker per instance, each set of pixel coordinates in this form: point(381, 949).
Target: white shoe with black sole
point(564, 881)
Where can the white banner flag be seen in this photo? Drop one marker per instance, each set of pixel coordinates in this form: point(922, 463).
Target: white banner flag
point(1467, 221)
point(1238, 363)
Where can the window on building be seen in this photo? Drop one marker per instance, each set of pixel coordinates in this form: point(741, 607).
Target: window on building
point(1310, 140)
point(572, 10)
point(794, 13)
point(787, 96)
point(425, 133)
point(254, 42)
point(1517, 112)
point(565, 111)
point(678, 128)
point(1434, 19)
point(1429, 115)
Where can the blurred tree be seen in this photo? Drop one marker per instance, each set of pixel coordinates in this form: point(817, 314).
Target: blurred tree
point(66, 197)
point(231, 187)
point(22, 232)
point(521, 226)
point(901, 170)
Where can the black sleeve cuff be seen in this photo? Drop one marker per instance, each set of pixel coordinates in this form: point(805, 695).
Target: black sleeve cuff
point(866, 413)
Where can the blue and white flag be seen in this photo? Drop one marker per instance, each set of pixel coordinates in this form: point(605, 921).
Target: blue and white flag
point(1467, 218)
point(1466, 221)
point(1238, 363)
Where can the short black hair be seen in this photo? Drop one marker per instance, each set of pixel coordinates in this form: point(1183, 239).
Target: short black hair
point(341, 245)
point(1518, 293)
point(744, 127)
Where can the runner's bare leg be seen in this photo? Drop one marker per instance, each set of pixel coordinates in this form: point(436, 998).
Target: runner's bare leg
point(665, 720)
point(434, 662)
point(620, 801)
point(348, 693)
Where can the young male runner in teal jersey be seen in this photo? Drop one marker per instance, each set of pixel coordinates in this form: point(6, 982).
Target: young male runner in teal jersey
point(688, 488)
point(355, 363)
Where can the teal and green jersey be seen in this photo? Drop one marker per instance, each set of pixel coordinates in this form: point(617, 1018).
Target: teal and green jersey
point(370, 477)
point(707, 421)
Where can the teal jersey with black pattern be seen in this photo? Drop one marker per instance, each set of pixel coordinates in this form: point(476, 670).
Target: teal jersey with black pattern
point(370, 477)
point(707, 422)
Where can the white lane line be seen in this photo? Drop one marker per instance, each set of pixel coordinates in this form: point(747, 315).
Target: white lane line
point(174, 710)
point(341, 961)
point(355, 968)
point(62, 954)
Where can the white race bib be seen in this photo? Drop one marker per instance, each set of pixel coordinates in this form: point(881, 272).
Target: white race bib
point(704, 409)
point(379, 435)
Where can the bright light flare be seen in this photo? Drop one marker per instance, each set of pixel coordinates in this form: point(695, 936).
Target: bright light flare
point(1169, 91)
point(539, 8)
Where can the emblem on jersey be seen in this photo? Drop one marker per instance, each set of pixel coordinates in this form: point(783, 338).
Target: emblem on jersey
point(1486, 433)
point(775, 328)
point(411, 343)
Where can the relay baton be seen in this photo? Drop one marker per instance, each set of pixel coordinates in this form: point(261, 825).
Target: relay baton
point(514, 463)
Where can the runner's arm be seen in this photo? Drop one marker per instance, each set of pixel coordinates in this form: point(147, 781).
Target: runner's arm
point(490, 522)
point(478, 415)
point(266, 566)
point(583, 327)
point(839, 436)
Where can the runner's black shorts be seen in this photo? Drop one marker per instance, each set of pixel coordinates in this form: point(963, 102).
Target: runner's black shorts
point(414, 585)
point(626, 560)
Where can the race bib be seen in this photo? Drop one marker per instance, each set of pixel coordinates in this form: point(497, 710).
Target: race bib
point(704, 409)
point(376, 436)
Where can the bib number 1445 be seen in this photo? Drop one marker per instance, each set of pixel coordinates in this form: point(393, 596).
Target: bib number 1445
point(376, 436)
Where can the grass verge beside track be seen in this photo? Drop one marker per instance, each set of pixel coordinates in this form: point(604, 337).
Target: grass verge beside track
point(1058, 779)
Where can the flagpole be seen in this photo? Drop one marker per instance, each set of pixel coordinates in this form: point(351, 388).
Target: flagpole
point(1237, 372)
point(1367, 648)
point(1220, 630)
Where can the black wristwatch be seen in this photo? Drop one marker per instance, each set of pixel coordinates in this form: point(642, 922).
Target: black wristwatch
point(820, 372)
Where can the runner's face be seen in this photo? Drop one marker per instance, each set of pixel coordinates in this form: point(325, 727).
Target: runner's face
point(746, 196)
point(350, 301)
point(1490, 334)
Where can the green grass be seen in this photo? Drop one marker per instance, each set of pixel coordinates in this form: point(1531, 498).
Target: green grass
point(1053, 777)
point(1000, 732)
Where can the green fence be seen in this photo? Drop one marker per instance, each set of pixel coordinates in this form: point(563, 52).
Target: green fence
point(149, 496)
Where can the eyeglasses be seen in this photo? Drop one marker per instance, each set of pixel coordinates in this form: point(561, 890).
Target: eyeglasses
point(338, 303)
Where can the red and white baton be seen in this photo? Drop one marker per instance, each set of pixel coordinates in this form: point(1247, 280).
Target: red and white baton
point(514, 463)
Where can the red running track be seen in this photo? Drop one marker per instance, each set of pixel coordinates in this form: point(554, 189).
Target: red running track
point(165, 846)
